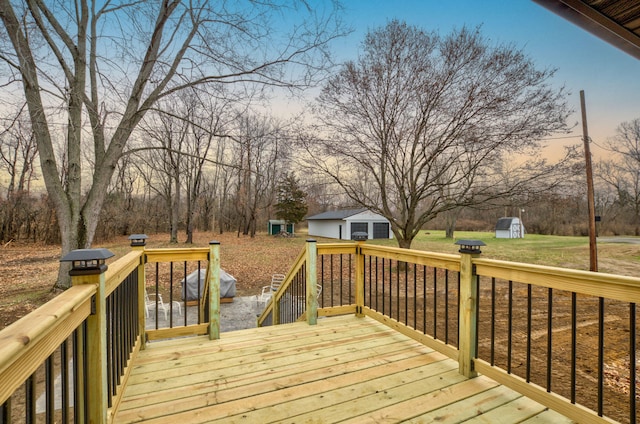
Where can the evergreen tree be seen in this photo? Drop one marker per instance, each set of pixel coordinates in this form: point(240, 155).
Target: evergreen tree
point(292, 200)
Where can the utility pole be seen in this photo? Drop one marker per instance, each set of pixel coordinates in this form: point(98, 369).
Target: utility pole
point(593, 250)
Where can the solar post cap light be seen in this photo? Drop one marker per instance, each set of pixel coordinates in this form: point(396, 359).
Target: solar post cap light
point(359, 236)
point(138, 239)
point(470, 246)
point(87, 261)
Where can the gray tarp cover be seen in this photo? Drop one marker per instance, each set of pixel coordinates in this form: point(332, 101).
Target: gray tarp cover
point(227, 285)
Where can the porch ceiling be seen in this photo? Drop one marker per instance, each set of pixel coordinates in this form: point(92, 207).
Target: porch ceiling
point(615, 21)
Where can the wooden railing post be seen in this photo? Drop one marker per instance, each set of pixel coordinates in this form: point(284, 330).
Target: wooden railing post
point(214, 290)
point(88, 267)
point(312, 280)
point(359, 238)
point(469, 249)
point(138, 242)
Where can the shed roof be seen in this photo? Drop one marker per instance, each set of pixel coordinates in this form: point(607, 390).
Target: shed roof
point(505, 223)
point(334, 215)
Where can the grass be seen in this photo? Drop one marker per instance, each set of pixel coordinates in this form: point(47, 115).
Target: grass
point(561, 251)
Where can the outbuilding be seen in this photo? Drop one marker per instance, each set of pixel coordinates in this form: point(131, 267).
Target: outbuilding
point(277, 226)
point(341, 224)
point(510, 227)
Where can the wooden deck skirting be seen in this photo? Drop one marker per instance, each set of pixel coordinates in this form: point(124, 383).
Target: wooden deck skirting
point(345, 369)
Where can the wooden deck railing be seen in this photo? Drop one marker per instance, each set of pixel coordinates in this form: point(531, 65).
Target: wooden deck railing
point(565, 338)
point(69, 360)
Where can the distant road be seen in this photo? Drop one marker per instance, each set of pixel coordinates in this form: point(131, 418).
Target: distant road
point(630, 240)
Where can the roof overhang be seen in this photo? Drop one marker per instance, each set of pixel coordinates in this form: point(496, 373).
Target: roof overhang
point(614, 21)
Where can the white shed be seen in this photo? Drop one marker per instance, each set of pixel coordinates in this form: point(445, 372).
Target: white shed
point(342, 224)
point(510, 227)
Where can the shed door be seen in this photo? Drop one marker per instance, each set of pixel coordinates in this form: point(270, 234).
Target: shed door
point(359, 227)
point(380, 230)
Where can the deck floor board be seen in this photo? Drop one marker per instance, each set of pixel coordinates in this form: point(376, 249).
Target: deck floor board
point(344, 369)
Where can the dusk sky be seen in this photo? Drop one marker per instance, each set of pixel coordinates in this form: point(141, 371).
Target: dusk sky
point(609, 77)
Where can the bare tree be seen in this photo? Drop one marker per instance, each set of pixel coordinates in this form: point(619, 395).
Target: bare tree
point(162, 158)
point(622, 173)
point(110, 62)
point(208, 121)
point(261, 156)
point(421, 123)
point(18, 151)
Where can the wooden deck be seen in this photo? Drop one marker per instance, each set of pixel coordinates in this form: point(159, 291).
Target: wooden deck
point(345, 369)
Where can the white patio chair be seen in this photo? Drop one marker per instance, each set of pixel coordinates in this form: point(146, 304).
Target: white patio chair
point(150, 304)
point(268, 291)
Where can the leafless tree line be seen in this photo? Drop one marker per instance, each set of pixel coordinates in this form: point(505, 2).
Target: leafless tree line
point(202, 167)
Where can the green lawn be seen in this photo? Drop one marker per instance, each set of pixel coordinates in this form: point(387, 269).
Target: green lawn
point(569, 252)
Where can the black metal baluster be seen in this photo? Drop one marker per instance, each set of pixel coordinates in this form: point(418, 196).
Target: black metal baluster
point(632, 364)
point(5, 412)
point(477, 316)
point(157, 292)
point(109, 347)
point(574, 338)
point(493, 320)
point(529, 313)
point(383, 298)
point(351, 299)
point(549, 337)
point(322, 278)
point(331, 276)
point(118, 323)
point(64, 379)
point(435, 303)
point(377, 290)
point(457, 326)
point(415, 296)
point(424, 296)
point(341, 280)
point(600, 356)
point(49, 389)
point(370, 285)
point(446, 306)
point(406, 293)
point(30, 399)
point(171, 294)
point(509, 325)
point(200, 290)
point(390, 288)
point(397, 291)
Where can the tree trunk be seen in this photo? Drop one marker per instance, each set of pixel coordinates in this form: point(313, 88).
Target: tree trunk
point(451, 217)
point(190, 216)
point(175, 209)
point(405, 243)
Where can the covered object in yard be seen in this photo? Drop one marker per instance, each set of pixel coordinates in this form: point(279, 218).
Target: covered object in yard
point(190, 289)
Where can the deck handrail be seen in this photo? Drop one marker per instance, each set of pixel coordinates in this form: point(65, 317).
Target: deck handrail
point(27, 342)
point(271, 310)
point(459, 287)
point(467, 274)
point(600, 284)
point(104, 313)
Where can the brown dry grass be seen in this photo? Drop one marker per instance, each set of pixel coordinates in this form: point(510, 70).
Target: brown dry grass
point(29, 270)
